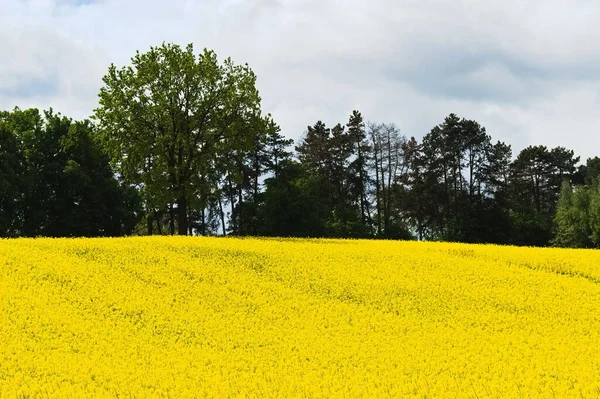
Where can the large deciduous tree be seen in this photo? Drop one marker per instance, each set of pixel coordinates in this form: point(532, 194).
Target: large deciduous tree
point(169, 116)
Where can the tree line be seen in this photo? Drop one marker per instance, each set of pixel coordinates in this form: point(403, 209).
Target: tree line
point(56, 181)
point(179, 145)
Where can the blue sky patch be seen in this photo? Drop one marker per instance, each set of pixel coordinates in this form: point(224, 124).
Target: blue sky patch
point(33, 88)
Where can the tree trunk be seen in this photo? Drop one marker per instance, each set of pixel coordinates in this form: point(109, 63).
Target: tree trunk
point(222, 214)
point(241, 231)
point(361, 188)
point(536, 192)
point(368, 220)
point(171, 220)
point(233, 220)
point(158, 225)
point(256, 176)
point(149, 220)
point(377, 194)
point(182, 216)
point(203, 223)
point(383, 191)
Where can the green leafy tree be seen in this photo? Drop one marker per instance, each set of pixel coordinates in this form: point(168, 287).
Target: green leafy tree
point(358, 168)
point(422, 189)
point(594, 213)
point(588, 173)
point(269, 151)
point(328, 154)
point(536, 178)
point(165, 118)
point(457, 154)
point(12, 175)
point(293, 204)
point(277, 149)
point(61, 183)
point(493, 212)
point(573, 228)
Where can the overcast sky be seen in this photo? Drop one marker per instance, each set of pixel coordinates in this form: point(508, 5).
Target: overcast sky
point(528, 70)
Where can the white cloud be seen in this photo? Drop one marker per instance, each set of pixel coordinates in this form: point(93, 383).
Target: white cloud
point(525, 70)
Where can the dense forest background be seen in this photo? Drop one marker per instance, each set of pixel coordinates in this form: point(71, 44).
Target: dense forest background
point(179, 145)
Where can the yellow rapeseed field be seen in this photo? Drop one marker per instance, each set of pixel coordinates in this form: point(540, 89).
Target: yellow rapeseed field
point(223, 317)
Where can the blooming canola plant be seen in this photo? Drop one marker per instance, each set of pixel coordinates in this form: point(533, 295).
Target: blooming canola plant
point(233, 317)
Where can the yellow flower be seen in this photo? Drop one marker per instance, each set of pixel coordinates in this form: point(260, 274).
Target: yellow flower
point(224, 317)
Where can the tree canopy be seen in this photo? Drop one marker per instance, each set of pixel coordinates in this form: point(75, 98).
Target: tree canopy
point(56, 181)
point(173, 118)
point(179, 144)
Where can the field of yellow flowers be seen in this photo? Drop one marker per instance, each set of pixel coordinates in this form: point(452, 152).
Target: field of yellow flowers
point(224, 317)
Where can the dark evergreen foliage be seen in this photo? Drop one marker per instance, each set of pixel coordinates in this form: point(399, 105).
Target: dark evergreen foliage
point(56, 181)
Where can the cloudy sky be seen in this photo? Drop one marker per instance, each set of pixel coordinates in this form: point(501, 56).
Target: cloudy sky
point(528, 70)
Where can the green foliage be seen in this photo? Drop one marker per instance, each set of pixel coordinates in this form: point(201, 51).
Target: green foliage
point(594, 214)
point(578, 217)
point(461, 170)
point(572, 218)
point(191, 150)
point(293, 205)
point(536, 178)
point(12, 170)
point(168, 117)
point(56, 181)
